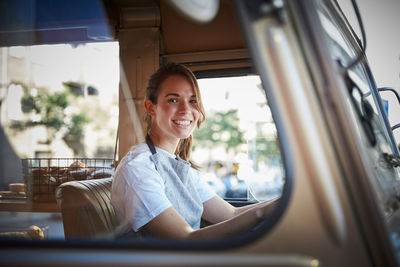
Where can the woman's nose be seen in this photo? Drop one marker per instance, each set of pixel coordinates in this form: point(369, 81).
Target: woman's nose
point(183, 107)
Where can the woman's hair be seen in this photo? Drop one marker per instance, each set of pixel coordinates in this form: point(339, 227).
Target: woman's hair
point(153, 90)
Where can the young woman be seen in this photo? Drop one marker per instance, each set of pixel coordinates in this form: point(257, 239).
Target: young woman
point(156, 190)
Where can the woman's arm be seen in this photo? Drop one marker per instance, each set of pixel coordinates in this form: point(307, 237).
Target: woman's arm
point(217, 210)
point(169, 224)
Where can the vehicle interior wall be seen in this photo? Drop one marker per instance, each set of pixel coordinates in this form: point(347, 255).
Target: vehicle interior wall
point(180, 35)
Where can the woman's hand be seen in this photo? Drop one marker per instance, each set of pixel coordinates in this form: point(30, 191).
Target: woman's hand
point(265, 207)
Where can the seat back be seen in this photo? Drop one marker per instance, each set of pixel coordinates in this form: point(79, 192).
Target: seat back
point(86, 208)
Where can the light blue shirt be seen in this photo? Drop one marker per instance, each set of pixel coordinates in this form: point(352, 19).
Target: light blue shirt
point(145, 185)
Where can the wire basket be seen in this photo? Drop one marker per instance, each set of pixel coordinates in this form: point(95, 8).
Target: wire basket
point(43, 175)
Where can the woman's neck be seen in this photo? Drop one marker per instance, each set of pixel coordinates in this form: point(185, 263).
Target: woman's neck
point(169, 145)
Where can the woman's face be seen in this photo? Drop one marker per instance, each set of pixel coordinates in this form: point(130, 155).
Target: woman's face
point(176, 112)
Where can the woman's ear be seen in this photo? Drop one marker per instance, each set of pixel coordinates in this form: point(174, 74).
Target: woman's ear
point(149, 107)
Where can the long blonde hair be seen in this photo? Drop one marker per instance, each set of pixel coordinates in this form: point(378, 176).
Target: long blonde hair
point(184, 147)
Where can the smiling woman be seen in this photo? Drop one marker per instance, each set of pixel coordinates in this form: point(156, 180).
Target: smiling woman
point(156, 191)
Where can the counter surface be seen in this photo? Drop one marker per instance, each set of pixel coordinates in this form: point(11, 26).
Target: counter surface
point(24, 205)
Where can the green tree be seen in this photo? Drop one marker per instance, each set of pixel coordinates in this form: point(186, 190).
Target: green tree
point(49, 110)
point(74, 135)
point(221, 128)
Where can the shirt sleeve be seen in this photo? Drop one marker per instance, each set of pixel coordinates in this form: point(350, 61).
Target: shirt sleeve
point(141, 196)
point(204, 189)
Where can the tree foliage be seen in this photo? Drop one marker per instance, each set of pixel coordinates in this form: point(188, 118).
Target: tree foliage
point(73, 136)
point(222, 128)
point(49, 111)
point(50, 108)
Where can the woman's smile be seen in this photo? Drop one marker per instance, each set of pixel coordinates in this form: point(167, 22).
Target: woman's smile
point(182, 122)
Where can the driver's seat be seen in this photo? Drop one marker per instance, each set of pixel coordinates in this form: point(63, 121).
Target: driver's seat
point(86, 208)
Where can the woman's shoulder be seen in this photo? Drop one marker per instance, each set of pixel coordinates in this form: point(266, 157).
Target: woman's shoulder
point(136, 166)
point(138, 155)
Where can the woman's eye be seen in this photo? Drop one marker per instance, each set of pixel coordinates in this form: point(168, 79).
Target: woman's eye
point(194, 101)
point(172, 100)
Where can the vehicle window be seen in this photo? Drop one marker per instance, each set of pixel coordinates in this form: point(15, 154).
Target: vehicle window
point(63, 101)
point(59, 112)
point(238, 144)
